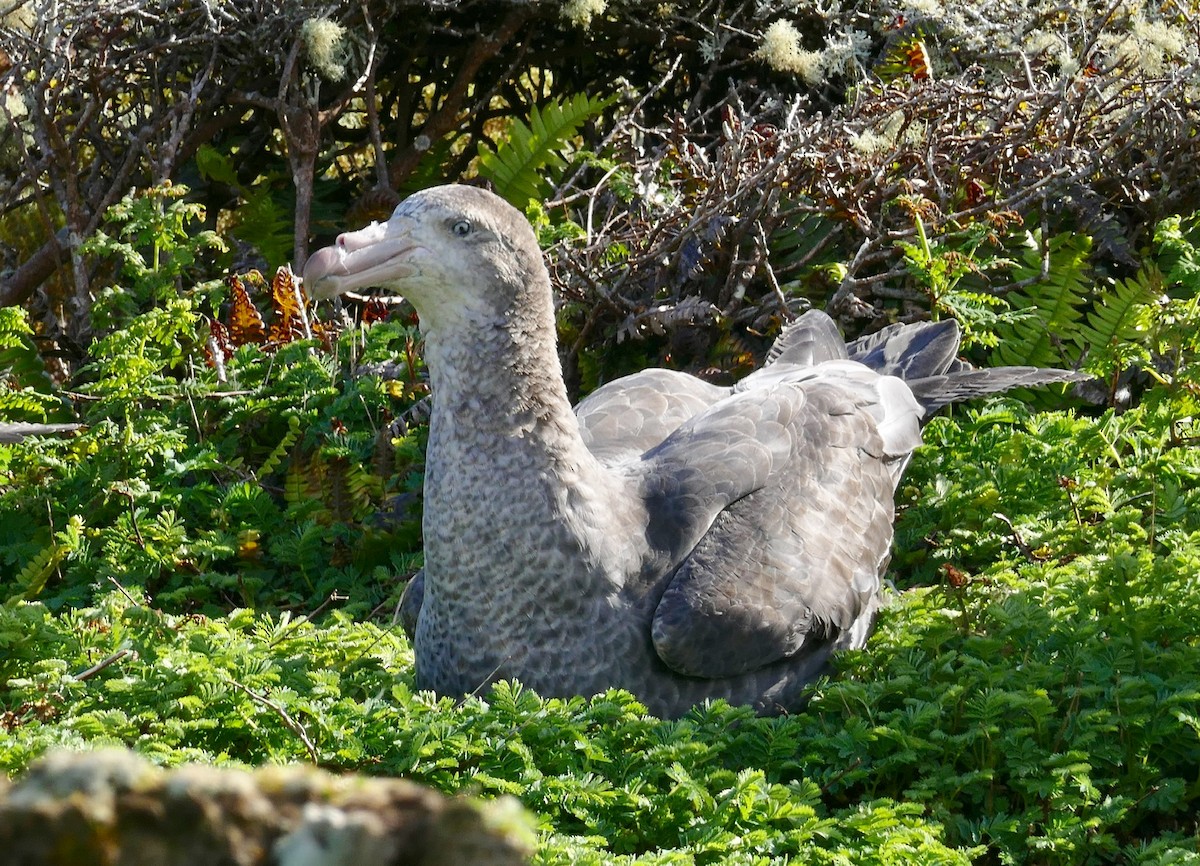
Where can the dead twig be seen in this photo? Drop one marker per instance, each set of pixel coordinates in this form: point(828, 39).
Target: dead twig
point(104, 663)
point(292, 725)
point(1015, 536)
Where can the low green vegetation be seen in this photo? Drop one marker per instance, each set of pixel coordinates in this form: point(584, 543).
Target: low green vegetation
point(206, 571)
point(1031, 695)
point(215, 468)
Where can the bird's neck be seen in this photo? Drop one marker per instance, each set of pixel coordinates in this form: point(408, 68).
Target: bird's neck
point(508, 476)
point(502, 424)
point(501, 380)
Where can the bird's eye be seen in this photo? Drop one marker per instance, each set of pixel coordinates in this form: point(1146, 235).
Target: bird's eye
point(462, 228)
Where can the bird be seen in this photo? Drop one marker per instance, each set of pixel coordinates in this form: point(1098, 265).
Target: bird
point(677, 539)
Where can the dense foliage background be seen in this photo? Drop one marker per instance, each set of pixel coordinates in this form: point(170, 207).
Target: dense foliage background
point(206, 568)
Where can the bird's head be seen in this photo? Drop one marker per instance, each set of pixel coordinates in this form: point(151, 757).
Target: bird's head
point(460, 254)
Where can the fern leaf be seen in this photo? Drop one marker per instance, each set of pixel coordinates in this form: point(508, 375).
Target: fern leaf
point(1121, 315)
point(277, 453)
point(245, 321)
point(1050, 336)
point(265, 224)
point(304, 481)
point(291, 318)
point(14, 327)
point(37, 571)
point(909, 59)
point(26, 404)
point(340, 495)
point(515, 167)
point(215, 165)
point(797, 242)
point(29, 395)
point(1117, 331)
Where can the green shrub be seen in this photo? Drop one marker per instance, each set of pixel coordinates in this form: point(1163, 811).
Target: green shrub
point(205, 493)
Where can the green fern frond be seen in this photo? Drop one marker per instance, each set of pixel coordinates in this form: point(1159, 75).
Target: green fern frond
point(27, 392)
point(246, 503)
point(797, 243)
point(980, 315)
point(26, 404)
point(1177, 243)
point(1122, 314)
point(515, 167)
point(279, 451)
point(265, 223)
point(1117, 331)
point(14, 327)
point(1050, 337)
point(34, 576)
point(304, 481)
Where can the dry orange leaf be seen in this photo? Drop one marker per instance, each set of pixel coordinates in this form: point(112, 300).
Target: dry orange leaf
point(291, 318)
point(245, 321)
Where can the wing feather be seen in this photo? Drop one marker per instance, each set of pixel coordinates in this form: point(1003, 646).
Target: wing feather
point(793, 566)
point(630, 415)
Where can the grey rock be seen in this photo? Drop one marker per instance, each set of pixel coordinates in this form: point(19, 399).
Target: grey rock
point(116, 808)
point(670, 537)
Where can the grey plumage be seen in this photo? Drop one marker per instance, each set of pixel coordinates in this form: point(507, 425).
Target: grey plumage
point(668, 536)
point(18, 431)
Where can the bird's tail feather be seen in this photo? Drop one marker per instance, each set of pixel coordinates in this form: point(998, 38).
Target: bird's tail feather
point(20, 430)
point(934, 392)
point(909, 351)
point(923, 354)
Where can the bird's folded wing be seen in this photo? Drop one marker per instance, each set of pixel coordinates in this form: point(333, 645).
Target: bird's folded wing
point(713, 460)
point(633, 414)
point(810, 340)
point(792, 565)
